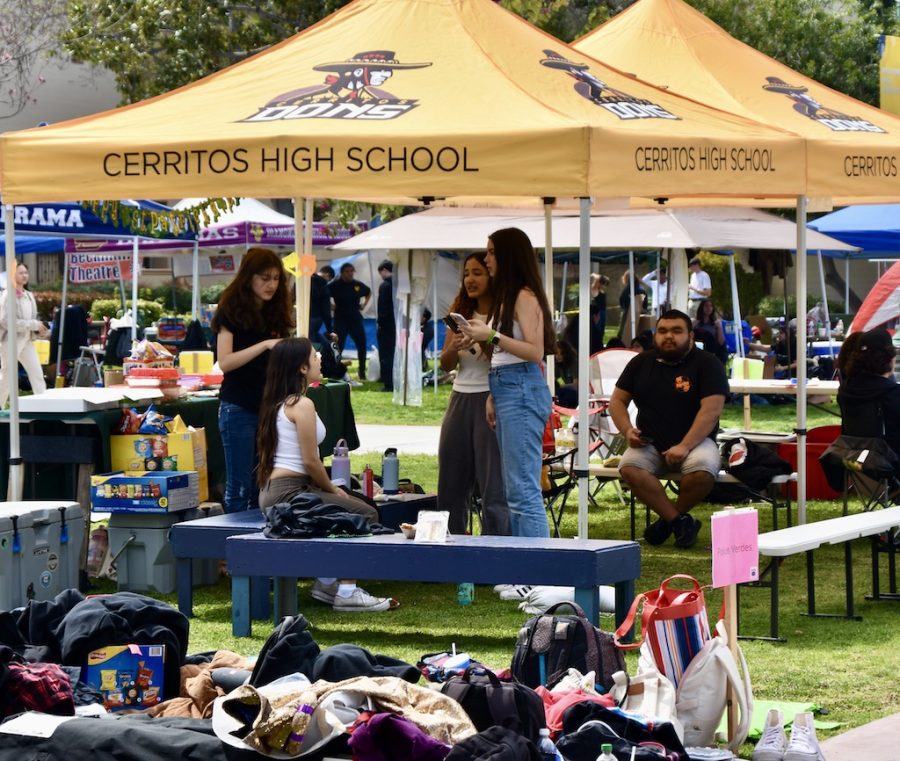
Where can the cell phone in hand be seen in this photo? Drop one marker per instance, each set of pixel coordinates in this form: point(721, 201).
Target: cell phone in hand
point(460, 320)
point(451, 324)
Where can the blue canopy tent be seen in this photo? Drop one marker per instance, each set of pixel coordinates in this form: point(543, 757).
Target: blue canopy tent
point(875, 229)
point(32, 244)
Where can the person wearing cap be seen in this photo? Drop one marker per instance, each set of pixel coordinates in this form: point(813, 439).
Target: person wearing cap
point(657, 283)
point(350, 298)
point(868, 396)
point(385, 324)
point(699, 286)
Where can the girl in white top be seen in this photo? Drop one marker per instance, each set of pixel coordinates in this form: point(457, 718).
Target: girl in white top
point(520, 335)
point(468, 454)
point(27, 327)
point(288, 441)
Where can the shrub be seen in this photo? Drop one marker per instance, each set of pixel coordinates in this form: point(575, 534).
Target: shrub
point(148, 311)
point(48, 300)
point(773, 306)
point(210, 294)
point(749, 285)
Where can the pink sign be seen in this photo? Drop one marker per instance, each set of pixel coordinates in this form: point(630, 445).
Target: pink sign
point(735, 547)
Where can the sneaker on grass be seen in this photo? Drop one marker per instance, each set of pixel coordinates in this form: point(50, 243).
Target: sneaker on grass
point(362, 602)
point(803, 745)
point(323, 592)
point(773, 741)
point(498, 588)
point(657, 532)
point(515, 592)
point(686, 527)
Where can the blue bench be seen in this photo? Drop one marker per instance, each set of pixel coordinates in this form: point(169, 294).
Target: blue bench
point(582, 563)
point(205, 538)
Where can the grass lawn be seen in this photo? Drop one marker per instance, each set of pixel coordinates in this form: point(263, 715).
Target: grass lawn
point(847, 668)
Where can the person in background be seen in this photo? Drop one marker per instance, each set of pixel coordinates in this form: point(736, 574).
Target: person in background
point(385, 325)
point(290, 432)
point(640, 298)
point(570, 333)
point(28, 327)
point(566, 374)
point(869, 396)
point(427, 335)
point(658, 288)
point(253, 315)
point(320, 309)
point(326, 272)
point(599, 283)
point(520, 332)
point(468, 455)
point(709, 331)
point(350, 299)
point(679, 392)
point(699, 286)
point(643, 341)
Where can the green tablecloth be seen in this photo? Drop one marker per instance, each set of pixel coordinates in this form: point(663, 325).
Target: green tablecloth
point(332, 404)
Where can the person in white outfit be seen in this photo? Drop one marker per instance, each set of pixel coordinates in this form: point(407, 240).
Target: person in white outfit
point(28, 327)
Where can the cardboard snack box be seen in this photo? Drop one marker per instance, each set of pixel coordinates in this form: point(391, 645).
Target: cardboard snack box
point(128, 676)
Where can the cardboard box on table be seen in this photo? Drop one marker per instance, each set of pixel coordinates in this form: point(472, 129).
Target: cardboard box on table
point(132, 451)
point(128, 676)
point(145, 492)
point(196, 362)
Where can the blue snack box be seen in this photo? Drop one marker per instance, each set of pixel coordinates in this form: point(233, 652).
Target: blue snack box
point(128, 676)
point(145, 491)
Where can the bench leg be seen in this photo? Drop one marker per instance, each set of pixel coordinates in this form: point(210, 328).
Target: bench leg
point(240, 606)
point(888, 546)
point(260, 610)
point(770, 571)
point(184, 581)
point(848, 580)
point(589, 600)
point(624, 598)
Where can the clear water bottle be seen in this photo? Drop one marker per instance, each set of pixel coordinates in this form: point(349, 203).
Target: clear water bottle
point(606, 753)
point(390, 472)
point(465, 593)
point(546, 748)
point(340, 463)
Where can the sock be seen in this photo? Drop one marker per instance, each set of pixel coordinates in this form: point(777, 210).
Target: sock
point(345, 590)
point(327, 582)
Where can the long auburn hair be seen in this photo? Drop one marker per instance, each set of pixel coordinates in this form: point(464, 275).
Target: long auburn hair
point(517, 268)
point(238, 305)
point(285, 384)
point(463, 303)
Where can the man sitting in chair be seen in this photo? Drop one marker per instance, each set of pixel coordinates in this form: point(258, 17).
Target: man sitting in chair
point(679, 392)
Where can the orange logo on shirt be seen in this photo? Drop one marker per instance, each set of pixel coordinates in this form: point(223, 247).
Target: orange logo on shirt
point(683, 384)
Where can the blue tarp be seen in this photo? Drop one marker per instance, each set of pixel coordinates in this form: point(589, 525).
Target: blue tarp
point(31, 244)
point(875, 229)
point(72, 220)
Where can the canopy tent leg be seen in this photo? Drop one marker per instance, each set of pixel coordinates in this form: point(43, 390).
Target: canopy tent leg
point(434, 317)
point(195, 281)
point(60, 380)
point(15, 482)
point(134, 288)
point(736, 308)
point(801, 361)
point(584, 359)
point(550, 360)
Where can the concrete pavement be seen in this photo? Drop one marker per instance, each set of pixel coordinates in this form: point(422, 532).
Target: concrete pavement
point(408, 439)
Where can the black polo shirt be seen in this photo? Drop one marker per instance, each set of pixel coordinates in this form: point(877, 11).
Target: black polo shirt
point(347, 296)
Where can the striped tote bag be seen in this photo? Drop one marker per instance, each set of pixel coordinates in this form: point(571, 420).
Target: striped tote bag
point(674, 625)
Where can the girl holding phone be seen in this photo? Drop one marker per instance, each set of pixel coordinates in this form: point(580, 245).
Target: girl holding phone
point(468, 452)
point(253, 315)
point(519, 334)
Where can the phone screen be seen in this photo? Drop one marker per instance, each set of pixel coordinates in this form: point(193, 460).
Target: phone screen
point(451, 323)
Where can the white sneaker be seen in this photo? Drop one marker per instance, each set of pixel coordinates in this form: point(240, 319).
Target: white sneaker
point(323, 592)
point(803, 745)
point(353, 382)
point(498, 588)
point(773, 741)
point(362, 602)
point(516, 592)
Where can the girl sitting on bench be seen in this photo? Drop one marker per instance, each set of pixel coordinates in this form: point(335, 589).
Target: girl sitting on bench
point(288, 441)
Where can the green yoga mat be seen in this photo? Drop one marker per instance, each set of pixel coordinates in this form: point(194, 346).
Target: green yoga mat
point(761, 710)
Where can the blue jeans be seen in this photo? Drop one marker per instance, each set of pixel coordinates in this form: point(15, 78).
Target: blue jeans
point(522, 404)
point(238, 425)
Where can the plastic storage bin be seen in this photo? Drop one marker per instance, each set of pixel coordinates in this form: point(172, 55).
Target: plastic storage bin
point(40, 550)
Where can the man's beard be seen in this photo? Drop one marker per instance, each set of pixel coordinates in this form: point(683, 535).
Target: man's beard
point(672, 353)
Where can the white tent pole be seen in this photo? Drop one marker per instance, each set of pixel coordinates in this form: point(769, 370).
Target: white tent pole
point(801, 359)
point(134, 287)
point(304, 280)
point(11, 369)
point(562, 288)
point(548, 285)
point(62, 314)
point(298, 237)
point(195, 281)
point(631, 305)
point(584, 352)
point(736, 309)
point(825, 303)
point(847, 285)
point(434, 316)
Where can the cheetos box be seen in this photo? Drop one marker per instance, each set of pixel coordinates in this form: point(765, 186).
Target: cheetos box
point(196, 362)
point(142, 451)
point(128, 676)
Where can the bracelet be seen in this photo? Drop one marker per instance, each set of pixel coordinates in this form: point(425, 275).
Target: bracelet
point(490, 338)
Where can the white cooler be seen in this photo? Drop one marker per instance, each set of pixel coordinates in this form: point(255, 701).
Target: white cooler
point(40, 550)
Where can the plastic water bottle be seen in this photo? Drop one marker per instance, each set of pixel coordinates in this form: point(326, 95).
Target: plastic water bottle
point(546, 748)
point(340, 463)
point(390, 472)
point(606, 753)
point(465, 593)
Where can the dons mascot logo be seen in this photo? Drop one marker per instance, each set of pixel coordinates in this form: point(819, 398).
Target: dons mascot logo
point(351, 90)
point(805, 104)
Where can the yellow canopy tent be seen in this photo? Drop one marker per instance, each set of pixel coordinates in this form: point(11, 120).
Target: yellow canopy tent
point(408, 98)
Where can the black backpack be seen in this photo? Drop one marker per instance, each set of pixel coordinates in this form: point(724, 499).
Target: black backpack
point(494, 744)
point(757, 467)
point(548, 645)
point(489, 702)
point(289, 648)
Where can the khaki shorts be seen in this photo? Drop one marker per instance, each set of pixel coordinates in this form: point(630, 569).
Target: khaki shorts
point(704, 457)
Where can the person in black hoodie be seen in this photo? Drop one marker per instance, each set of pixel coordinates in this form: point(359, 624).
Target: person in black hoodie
point(868, 396)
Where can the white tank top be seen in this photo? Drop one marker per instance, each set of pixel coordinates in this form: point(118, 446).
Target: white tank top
point(287, 451)
point(472, 376)
point(500, 358)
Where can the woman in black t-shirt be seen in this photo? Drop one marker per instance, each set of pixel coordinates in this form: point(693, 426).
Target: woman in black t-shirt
point(254, 314)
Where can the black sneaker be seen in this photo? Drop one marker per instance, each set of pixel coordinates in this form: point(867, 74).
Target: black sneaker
point(686, 528)
point(657, 532)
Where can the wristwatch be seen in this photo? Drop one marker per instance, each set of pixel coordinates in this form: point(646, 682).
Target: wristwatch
point(495, 338)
